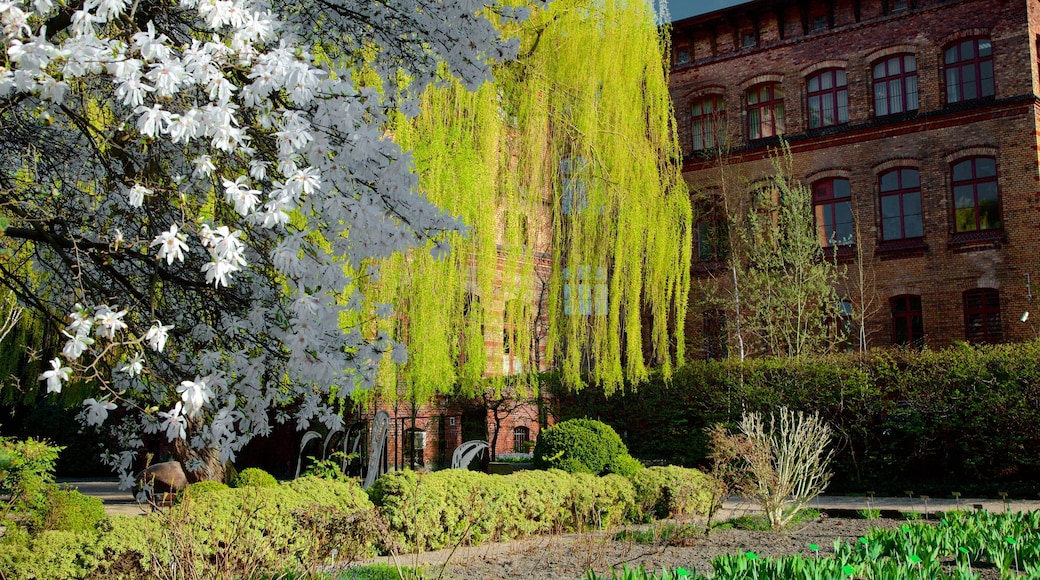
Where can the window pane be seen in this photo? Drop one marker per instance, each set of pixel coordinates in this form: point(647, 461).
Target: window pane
point(843, 228)
point(814, 84)
point(911, 94)
point(913, 226)
point(965, 220)
point(842, 79)
point(826, 81)
point(912, 203)
point(815, 114)
point(895, 90)
point(967, 50)
point(881, 98)
point(890, 206)
point(986, 78)
point(909, 63)
point(890, 228)
point(985, 47)
point(779, 124)
point(843, 106)
point(985, 167)
point(962, 171)
point(842, 188)
point(754, 120)
point(964, 196)
point(969, 85)
point(879, 70)
point(953, 89)
point(911, 178)
point(828, 111)
point(890, 181)
point(989, 210)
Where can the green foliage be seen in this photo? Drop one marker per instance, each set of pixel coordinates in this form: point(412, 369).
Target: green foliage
point(331, 468)
point(254, 477)
point(68, 510)
point(670, 492)
point(454, 506)
point(201, 488)
point(578, 446)
point(959, 419)
point(346, 495)
point(26, 471)
point(623, 464)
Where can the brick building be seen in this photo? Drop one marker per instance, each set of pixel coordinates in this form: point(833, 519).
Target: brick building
point(915, 124)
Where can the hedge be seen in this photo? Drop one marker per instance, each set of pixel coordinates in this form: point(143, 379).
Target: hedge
point(961, 419)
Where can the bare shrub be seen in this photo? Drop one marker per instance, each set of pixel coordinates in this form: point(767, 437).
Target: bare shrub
point(781, 466)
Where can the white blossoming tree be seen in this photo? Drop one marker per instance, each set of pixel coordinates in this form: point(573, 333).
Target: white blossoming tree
point(198, 186)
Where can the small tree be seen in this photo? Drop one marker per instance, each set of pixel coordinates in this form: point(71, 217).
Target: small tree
point(786, 465)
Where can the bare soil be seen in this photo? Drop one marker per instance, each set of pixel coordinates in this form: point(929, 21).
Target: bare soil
point(571, 555)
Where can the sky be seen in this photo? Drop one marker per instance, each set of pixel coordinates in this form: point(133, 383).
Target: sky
point(680, 9)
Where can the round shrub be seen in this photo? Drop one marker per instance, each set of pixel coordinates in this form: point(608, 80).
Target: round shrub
point(624, 464)
point(200, 488)
point(70, 511)
point(578, 446)
point(254, 477)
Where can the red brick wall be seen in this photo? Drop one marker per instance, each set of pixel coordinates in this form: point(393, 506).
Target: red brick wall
point(1004, 126)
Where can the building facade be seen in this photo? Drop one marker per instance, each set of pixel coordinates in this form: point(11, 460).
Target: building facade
point(914, 123)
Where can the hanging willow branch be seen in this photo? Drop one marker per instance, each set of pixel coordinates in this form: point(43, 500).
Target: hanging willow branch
point(566, 170)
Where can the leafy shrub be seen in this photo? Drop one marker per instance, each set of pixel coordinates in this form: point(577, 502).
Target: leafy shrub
point(70, 511)
point(448, 507)
point(343, 494)
point(26, 472)
point(254, 477)
point(670, 491)
point(623, 464)
point(578, 446)
point(200, 488)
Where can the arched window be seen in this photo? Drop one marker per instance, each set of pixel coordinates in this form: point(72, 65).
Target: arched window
point(969, 70)
point(907, 322)
point(828, 93)
point(976, 201)
point(895, 85)
point(982, 315)
point(707, 121)
point(765, 110)
point(900, 200)
point(521, 435)
point(832, 207)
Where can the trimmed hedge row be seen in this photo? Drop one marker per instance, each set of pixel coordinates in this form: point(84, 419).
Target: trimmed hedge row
point(961, 419)
point(298, 524)
point(444, 508)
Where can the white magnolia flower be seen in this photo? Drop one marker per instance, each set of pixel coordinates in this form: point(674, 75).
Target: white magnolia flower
point(203, 166)
point(195, 395)
point(157, 335)
point(56, 376)
point(174, 423)
point(82, 320)
point(137, 194)
point(76, 345)
point(97, 411)
point(109, 321)
point(171, 245)
point(133, 366)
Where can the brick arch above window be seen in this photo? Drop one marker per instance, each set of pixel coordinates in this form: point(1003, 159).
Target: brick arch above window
point(701, 91)
point(891, 51)
point(761, 79)
point(823, 65)
point(830, 173)
point(901, 162)
point(973, 151)
point(964, 34)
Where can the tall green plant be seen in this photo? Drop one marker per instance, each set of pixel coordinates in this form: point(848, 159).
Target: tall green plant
point(566, 171)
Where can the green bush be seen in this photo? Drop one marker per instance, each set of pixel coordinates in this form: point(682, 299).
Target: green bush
point(624, 464)
point(578, 446)
point(447, 507)
point(200, 488)
point(670, 491)
point(70, 511)
point(254, 477)
point(26, 473)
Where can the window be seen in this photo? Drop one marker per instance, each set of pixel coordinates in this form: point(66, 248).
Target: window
point(714, 335)
point(521, 435)
point(584, 291)
point(969, 70)
point(982, 315)
point(819, 23)
point(907, 322)
point(515, 314)
point(832, 208)
point(682, 56)
point(708, 116)
point(575, 190)
point(900, 193)
point(840, 325)
point(895, 85)
point(898, 5)
point(975, 199)
point(765, 105)
point(750, 39)
point(711, 239)
point(828, 99)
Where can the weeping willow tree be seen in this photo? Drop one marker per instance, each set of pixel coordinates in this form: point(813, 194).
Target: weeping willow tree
point(566, 171)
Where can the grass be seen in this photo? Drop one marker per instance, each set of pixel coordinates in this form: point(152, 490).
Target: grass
point(369, 572)
point(869, 513)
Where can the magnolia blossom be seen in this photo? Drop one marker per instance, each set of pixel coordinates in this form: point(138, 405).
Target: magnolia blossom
point(137, 194)
point(109, 321)
point(171, 245)
point(195, 395)
point(133, 366)
point(97, 411)
point(174, 423)
point(76, 345)
point(56, 376)
point(157, 335)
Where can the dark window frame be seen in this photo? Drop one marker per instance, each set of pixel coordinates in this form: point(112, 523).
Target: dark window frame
point(907, 320)
point(965, 64)
point(826, 204)
point(982, 322)
point(768, 111)
point(819, 98)
point(521, 435)
point(974, 182)
point(903, 190)
point(705, 124)
point(905, 80)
